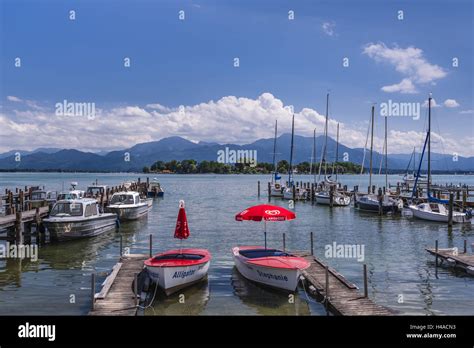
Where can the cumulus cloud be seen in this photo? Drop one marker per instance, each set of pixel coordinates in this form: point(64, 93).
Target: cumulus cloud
point(451, 103)
point(14, 99)
point(409, 62)
point(329, 28)
point(404, 87)
point(467, 112)
point(434, 104)
point(229, 119)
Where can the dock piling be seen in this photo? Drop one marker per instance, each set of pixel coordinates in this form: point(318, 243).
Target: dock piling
point(284, 241)
point(151, 245)
point(450, 211)
point(92, 291)
point(311, 236)
point(258, 189)
point(366, 290)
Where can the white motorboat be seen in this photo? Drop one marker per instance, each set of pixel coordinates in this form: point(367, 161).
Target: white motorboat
point(338, 199)
point(300, 193)
point(155, 189)
point(176, 269)
point(370, 203)
point(78, 218)
point(42, 198)
point(437, 212)
point(270, 267)
point(96, 190)
point(129, 205)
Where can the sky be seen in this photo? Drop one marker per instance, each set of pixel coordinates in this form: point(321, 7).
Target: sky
point(147, 71)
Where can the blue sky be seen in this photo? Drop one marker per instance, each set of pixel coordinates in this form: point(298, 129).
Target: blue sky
point(190, 62)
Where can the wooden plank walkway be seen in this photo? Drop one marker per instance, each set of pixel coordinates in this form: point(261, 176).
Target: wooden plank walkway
point(344, 297)
point(26, 216)
point(455, 259)
point(117, 296)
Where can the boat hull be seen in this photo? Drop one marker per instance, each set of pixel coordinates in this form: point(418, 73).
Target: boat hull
point(62, 229)
point(130, 213)
point(437, 217)
point(172, 276)
point(338, 201)
point(278, 278)
point(373, 206)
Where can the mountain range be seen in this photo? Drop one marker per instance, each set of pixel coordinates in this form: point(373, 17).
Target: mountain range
point(177, 148)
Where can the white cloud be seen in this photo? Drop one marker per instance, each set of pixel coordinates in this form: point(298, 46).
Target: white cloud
point(451, 103)
point(329, 28)
point(404, 87)
point(433, 103)
point(227, 120)
point(14, 99)
point(409, 61)
point(470, 111)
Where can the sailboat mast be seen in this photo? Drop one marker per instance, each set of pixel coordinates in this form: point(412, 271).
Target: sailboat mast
point(429, 147)
point(337, 151)
point(326, 135)
point(386, 155)
point(290, 171)
point(274, 149)
point(314, 159)
point(313, 154)
point(371, 146)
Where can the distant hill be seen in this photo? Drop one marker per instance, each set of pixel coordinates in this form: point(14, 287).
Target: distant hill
point(177, 148)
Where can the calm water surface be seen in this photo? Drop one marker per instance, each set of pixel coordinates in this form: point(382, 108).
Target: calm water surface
point(394, 251)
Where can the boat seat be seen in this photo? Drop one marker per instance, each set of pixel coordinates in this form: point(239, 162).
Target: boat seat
point(179, 257)
point(257, 253)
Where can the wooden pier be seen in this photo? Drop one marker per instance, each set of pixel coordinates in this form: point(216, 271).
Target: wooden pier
point(453, 258)
point(117, 296)
point(338, 295)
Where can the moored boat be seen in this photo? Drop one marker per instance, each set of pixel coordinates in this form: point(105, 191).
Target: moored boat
point(270, 267)
point(371, 203)
point(437, 212)
point(338, 199)
point(174, 270)
point(129, 205)
point(42, 198)
point(155, 189)
point(79, 218)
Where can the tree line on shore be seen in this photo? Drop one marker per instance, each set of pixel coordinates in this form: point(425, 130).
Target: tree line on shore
point(193, 167)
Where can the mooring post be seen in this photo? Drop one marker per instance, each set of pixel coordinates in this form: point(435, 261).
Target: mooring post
point(151, 244)
point(135, 288)
point(269, 191)
point(258, 189)
point(121, 246)
point(326, 291)
point(311, 234)
point(92, 291)
point(436, 249)
point(465, 246)
point(450, 212)
point(366, 289)
point(19, 228)
point(284, 241)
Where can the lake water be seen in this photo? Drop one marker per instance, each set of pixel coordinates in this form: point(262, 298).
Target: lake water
point(398, 265)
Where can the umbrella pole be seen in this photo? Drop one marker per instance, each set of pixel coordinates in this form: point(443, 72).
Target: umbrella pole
point(265, 233)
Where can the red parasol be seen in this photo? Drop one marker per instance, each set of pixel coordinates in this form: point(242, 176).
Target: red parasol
point(266, 213)
point(182, 228)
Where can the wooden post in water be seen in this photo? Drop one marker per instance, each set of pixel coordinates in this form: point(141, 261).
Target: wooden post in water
point(380, 199)
point(135, 288)
point(269, 191)
point(326, 291)
point(436, 258)
point(311, 236)
point(450, 211)
point(284, 241)
point(465, 246)
point(92, 291)
point(366, 289)
point(464, 199)
point(121, 246)
point(331, 196)
point(151, 245)
point(312, 193)
point(19, 228)
point(258, 189)
point(294, 193)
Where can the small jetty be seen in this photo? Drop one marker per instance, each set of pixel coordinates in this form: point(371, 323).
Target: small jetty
point(338, 295)
point(117, 296)
point(451, 257)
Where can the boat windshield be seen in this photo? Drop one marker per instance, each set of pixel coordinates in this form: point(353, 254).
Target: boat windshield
point(123, 199)
point(178, 257)
point(67, 208)
point(256, 253)
point(63, 196)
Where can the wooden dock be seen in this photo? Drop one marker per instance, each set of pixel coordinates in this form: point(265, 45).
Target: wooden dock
point(117, 296)
point(33, 215)
point(340, 296)
point(453, 258)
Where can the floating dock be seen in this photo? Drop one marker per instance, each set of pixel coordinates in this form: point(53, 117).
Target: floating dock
point(338, 295)
point(117, 296)
point(453, 258)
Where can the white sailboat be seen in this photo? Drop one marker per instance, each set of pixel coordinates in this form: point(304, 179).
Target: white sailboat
point(276, 186)
point(434, 209)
